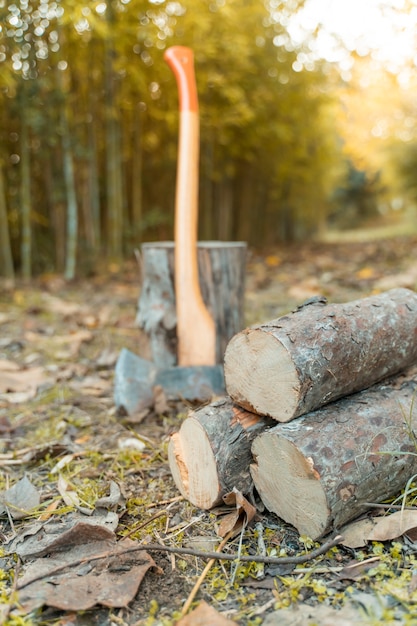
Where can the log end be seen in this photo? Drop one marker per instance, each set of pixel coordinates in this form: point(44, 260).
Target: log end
point(289, 485)
point(261, 376)
point(193, 467)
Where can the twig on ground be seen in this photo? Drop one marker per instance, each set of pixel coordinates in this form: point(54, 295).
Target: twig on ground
point(144, 524)
point(396, 507)
point(152, 547)
point(201, 578)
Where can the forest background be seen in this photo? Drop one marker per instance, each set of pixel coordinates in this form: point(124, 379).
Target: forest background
point(292, 145)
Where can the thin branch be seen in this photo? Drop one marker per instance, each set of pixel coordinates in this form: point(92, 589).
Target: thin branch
point(152, 547)
point(396, 507)
point(201, 578)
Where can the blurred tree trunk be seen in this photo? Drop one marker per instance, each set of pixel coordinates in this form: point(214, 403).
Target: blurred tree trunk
point(89, 197)
point(224, 209)
point(93, 186)
point(54, 194)
point(244, 185)
point(137, 182)
point(113, 149)
point(71, 196)
point(25, 189)
point(207, 191)
point(6, 257)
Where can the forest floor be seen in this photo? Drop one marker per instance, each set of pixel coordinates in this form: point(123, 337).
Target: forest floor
point(67, 457)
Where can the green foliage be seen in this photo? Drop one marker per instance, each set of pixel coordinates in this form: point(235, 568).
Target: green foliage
point(267, 141)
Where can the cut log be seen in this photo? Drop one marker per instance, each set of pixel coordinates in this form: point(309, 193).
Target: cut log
point(303, 360)
point(317, 472)
point(222, 267)
point(211, 453)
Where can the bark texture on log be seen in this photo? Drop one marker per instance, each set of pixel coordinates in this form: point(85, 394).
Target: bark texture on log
point(211, 453)
point(222, 268)
point(318, 471)
point(321, 352)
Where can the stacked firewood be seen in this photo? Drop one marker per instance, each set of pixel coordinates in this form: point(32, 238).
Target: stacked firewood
point(320, 416)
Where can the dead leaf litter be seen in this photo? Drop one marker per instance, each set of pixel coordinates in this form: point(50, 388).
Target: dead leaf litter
point(93, 529)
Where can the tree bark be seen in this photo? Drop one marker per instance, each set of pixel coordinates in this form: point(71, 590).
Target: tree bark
point(25, 191)
point(221, 276)
point(299, 362)
point(6, 256)
point(211, 453)
point(71, 197)
point(317, 472)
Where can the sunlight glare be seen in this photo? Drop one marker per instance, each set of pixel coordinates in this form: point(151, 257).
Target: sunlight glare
point(383, 28)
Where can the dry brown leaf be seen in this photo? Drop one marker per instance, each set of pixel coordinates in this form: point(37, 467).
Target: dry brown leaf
point(305, 615)
point(205, 615)
point(305, 289)
point(20, 499)
point(355, 534)
point(4, 318)
point(242, 516)
point(22, 385)
point(92, 385)
point(60, 306)
point(85, 567)
point(381, 528)
point(73, 340)
point(69, 496)
point(356, 569)
point(393, 526)
point(8, 366)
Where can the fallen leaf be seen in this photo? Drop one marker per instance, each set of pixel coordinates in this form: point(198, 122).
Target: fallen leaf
point(355, 534)
point(305, 289)
point(39, 539)
point(381, 528)
point(114, 498)
point(63, 462)
point(239, 518)
point(272, 260)
point(72, 340)
point(8, 366)
point(107, 358)
point(393, 526)
point(130, 443)
point(69, 496)
point(305, 615)
point(83, 570)
point(4, 318)
point(365, 273)
point(60, 306)
point(91, 385)
point(20, 499)
point(23, 380)
point(356, 569)
point(205, 615)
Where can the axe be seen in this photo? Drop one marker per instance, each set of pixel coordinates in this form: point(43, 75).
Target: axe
point(196, 331)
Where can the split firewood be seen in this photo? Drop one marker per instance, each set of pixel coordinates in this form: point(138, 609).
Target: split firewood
point(321, 352)
point(317, 472)
point(211, 453)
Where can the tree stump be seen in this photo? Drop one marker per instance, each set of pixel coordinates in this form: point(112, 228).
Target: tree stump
point(222, 268)
point(321, 352)
point(318, 471)
point(211, 453)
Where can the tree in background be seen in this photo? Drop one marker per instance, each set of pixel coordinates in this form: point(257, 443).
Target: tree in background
point(89, 119)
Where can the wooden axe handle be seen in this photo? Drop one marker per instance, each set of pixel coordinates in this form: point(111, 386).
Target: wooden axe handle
point(196, 330)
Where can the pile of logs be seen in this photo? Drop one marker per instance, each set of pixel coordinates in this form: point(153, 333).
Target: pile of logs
point(320, 416)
